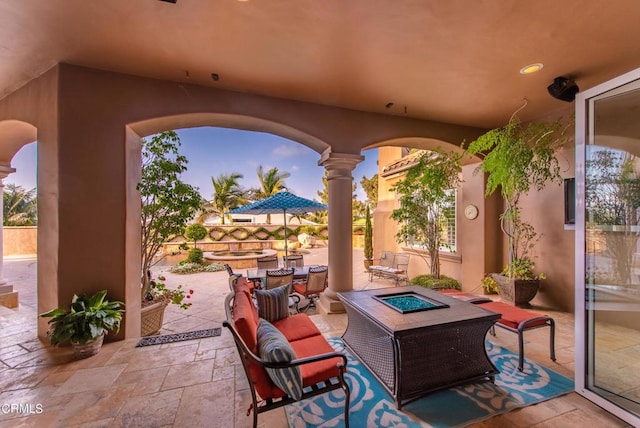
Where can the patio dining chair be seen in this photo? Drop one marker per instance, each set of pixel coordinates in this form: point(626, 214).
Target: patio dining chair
point(313, 286)
point(278, 277)
point(233, 277)
point(293, 261)
point(269, 262)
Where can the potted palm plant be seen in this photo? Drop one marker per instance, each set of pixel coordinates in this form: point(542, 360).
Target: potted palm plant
point(518, 158)
point(85, 323)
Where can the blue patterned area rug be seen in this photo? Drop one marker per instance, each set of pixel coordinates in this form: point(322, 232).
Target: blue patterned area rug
point(371, 406)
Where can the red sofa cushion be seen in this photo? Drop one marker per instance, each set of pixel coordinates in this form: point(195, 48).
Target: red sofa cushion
point(512, 316)
point(262, 383)
point(296, 327)
point(320, 370)
point(245, 318)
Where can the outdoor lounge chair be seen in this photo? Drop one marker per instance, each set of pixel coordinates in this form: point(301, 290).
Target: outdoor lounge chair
point(391, 265)
point(322, 368)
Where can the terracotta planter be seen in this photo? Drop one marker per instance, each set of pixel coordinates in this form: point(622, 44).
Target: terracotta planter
point(152, 317)
point(367, 263)
point(88, 349)
point(516, 291)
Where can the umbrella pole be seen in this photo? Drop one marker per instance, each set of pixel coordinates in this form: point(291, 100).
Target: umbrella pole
point(286, 240)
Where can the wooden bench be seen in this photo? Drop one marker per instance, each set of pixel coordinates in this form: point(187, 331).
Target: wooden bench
point(321, 368)
point(391, 265)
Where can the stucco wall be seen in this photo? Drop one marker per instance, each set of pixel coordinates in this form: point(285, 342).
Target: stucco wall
point(88, 124)
point(19, 241)
point(481, 246)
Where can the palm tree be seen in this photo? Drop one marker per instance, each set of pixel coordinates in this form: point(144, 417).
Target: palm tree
point(227, 194)
point(20, 206)
point(271, 183)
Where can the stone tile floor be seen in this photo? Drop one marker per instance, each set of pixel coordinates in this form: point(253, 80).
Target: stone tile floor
point(200, 383)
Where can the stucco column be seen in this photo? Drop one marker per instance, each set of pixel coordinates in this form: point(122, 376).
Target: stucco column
point(8, 297)
point(340, 188)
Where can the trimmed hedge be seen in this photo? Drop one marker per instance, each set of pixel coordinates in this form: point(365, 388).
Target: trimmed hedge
point(427, 281)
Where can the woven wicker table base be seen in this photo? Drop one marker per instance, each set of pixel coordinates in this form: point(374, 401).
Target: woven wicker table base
point(413, 354)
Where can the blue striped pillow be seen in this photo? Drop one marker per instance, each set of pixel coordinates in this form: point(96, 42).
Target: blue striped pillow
point(275, 348)
point(273, 304)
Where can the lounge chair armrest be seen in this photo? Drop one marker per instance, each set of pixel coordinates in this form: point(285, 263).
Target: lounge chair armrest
point(306, 360)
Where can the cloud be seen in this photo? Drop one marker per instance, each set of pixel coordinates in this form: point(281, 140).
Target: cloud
point(295, 167)
point(287, 150)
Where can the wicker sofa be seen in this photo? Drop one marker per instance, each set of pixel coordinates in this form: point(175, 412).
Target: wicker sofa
point(321, 368)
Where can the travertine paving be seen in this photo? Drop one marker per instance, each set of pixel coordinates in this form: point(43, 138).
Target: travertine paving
point(199, 383)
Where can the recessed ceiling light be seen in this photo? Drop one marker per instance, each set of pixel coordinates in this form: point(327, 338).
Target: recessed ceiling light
point(215, 76)
point(531, 68)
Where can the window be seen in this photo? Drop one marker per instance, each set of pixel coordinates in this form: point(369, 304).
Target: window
point(447, 226)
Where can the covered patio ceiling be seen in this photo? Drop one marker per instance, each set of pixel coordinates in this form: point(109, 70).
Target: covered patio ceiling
point(450, 61)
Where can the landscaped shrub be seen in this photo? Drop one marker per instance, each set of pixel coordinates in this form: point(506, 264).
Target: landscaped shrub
point(427, 281)
point(185, 267)
point(195, 255)
point(195, 232)
point(308, 229)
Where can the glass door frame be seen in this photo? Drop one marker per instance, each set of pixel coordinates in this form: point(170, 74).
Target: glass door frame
point(584, 124)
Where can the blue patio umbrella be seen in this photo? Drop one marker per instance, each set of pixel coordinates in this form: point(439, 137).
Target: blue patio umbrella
point(281, 202)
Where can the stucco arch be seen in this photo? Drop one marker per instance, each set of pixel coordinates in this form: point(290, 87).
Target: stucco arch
point(425, 143)
point(14, 134)
point(233, 121)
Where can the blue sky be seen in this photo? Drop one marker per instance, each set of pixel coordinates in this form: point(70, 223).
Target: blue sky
point(213, 151)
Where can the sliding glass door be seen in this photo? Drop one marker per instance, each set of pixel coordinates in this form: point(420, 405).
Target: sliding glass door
point(608, 246)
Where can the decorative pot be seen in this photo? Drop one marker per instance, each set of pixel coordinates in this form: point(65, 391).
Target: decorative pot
point(516, 291)
point(367, 263)
point(88, 349)
point(152, 317)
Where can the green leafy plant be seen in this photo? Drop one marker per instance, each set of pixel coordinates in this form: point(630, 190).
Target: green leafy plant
point(20, 206)
point(85, 320)
point(425, 192)
point(195, 232)
point(428, 281)
point(195, 255)
point(518, 158)
point(489, 285)
point(309, 230)
point(177, 296)
point(167, 203)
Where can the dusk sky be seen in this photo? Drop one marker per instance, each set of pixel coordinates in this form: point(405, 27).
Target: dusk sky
point(213, 151)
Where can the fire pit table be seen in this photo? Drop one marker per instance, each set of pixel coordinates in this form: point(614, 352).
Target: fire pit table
point(416, 341)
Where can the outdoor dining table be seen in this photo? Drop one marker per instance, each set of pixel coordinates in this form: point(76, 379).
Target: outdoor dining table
point(300, 272)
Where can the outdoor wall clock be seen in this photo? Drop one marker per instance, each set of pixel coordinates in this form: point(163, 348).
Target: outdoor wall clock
point(471, 211)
